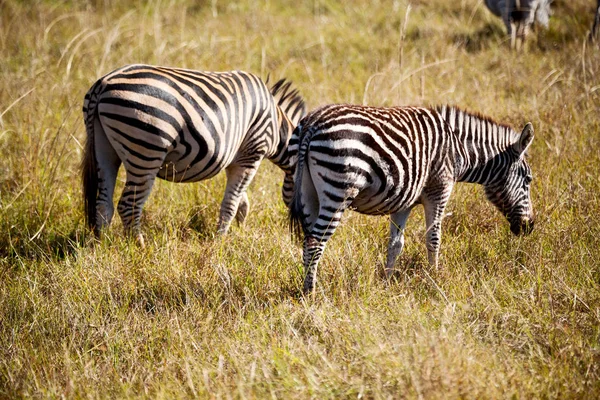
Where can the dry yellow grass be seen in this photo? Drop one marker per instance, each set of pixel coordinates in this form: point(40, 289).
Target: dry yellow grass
point(197, 316)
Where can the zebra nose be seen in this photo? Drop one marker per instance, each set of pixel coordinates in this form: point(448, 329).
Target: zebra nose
point(522, 227)
point(527, 226)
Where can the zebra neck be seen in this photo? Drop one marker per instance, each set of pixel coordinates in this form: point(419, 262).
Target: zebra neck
point(482, 146)
point(487, 169)
point(280, 154)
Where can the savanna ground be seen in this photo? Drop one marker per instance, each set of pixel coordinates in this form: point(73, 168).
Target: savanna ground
point(194, 315)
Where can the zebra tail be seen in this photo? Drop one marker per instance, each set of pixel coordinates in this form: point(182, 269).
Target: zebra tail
point(296, 215)
point(89, 164)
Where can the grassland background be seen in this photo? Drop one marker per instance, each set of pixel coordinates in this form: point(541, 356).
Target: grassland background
point(194, 315)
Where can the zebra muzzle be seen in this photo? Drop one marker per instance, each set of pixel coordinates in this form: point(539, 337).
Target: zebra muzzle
point(522, 227)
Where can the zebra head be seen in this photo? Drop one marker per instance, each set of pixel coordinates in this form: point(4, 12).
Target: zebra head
point(511, 193)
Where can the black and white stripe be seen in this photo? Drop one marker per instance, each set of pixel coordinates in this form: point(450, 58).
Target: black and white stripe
point(386, 160)
point(183, 126)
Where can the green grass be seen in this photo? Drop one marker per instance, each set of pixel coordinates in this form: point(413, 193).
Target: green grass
point(192, 315)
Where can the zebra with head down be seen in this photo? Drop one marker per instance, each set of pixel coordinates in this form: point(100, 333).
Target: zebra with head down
point(183, 126)
point(384, 161)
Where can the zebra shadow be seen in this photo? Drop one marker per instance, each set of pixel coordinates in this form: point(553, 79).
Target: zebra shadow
point(407, 266)
point(481, 39)
point(203, 225)
point(52, 246)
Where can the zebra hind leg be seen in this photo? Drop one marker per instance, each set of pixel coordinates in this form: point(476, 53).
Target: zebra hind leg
point(243, 208)
point(396, 243)
point(434, 201)
point(238, 179)
point(108, 163)
point(136, 192)
point(331, 208)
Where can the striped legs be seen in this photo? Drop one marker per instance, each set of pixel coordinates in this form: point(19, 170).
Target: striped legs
point(434, 201)
point(136, 192)
point(396, 243)
point(331, 208)
point(243, 208)
point(108, 163)
point(312, 252)
point(235, 201)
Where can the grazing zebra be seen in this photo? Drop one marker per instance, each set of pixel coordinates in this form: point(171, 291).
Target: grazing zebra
point(183, 126)
point(383, 161)
point(519, 15)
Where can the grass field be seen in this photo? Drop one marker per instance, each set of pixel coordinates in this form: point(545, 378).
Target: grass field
point(192, 315)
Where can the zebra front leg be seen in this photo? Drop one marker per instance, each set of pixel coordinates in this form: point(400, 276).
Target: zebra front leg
point(136, 192)
point(396, 243)
point(434, 201)
point(243, 208)
point(238, 180)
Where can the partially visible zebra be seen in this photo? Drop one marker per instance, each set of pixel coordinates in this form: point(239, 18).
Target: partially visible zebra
point(594, 31)
point(183, 126)
point(519, 16)
point(383, 161)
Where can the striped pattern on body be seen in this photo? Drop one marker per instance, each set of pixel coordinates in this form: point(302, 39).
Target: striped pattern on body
point(183, 126)
point(384, 161)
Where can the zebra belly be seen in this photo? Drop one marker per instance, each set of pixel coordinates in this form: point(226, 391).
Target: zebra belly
point(393, 196)
point(197, 160)
point(185, 170)
point(390, 201)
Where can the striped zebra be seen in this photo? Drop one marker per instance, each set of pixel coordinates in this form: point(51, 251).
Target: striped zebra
point(182, 126)
point(519, 16)
point(382, 161)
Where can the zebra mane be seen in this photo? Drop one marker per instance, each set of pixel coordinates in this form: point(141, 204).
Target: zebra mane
point(467, 124)
point(289, 100)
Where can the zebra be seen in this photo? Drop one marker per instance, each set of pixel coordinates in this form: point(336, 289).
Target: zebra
point(594, 32)
point(182, 126)
point(519, 15)
point(384, 161)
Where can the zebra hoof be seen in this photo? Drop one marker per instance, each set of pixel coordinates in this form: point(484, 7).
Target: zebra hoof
point(140, 241)
point(241, 214)
point(389, 273)
point(309, 288)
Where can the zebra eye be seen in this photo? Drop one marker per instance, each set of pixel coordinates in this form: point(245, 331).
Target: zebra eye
point(528, 179)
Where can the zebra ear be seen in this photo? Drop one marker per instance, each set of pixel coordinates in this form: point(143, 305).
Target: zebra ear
point(525, 139)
